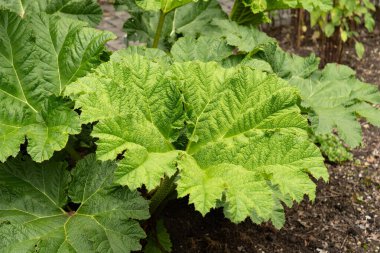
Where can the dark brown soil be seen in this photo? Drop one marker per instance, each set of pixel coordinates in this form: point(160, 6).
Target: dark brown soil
point(345, 216)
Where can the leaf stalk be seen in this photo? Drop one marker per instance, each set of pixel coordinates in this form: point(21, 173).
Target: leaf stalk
point(166, 187)
point(159, 29)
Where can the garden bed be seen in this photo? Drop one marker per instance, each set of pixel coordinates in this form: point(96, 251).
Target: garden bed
point(345, 216)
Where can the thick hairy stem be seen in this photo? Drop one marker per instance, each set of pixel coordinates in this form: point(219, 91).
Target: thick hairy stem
point(167, 186)
point(159, 29)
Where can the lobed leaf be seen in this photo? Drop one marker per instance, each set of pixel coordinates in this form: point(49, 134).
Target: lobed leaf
point(39, 56)
point(32, 217)
point(333, 97)
point(246, 145)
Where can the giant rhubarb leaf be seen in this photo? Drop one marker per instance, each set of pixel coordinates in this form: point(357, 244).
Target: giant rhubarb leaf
point(84, 10)
point(39, 56)
point(245, 134)
point(32, 218)
point(334, 97)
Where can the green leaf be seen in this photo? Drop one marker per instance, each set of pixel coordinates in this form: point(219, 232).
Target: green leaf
point(329, 29)
point(333, 147)
point(189, 20)
point(243, 132)
point(227, 142)
point(153, 115)
point(203, 49)
point(369, 22)
point(193, 19)
point(331, 97)
point(153, 54)
point(149, 5)
point(22, 7)
point(158, 240)
point(246, 39)
point(287, 65)
point(84, 10)
point(39, 56)
point(32, 217)
point(336, 97)
point(359, 49)
point(141, 27)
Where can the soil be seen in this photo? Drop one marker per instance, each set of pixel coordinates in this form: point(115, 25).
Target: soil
point(345, 217)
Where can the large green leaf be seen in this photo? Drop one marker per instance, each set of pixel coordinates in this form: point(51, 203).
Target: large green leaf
point(243, 132)
point(85, 10)
point(336, 97)
point(39, 56)
point(143, 119)
point(189, 20)
point(333, 97)
point(246, 129)
point(246, 39)
point(32, 218)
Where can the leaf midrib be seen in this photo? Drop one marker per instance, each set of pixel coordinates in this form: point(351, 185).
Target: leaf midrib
point(12, 63)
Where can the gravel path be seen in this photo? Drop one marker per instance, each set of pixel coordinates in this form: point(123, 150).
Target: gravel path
point(113, 21)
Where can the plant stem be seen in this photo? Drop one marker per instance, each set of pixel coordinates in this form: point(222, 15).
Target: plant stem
point(73, 153)
point(167, 186)
point(233, 10)
point(159, 29)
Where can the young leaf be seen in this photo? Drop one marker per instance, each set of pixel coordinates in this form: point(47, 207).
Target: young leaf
point(39, 56)
point(245, 132)
point(32, 217)
point(359, 49)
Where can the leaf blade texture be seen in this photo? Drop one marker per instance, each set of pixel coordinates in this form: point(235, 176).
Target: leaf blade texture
point(333, 97)
point(244, 131)
point(83, 10)
point(32, 218)
point(39, 57)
